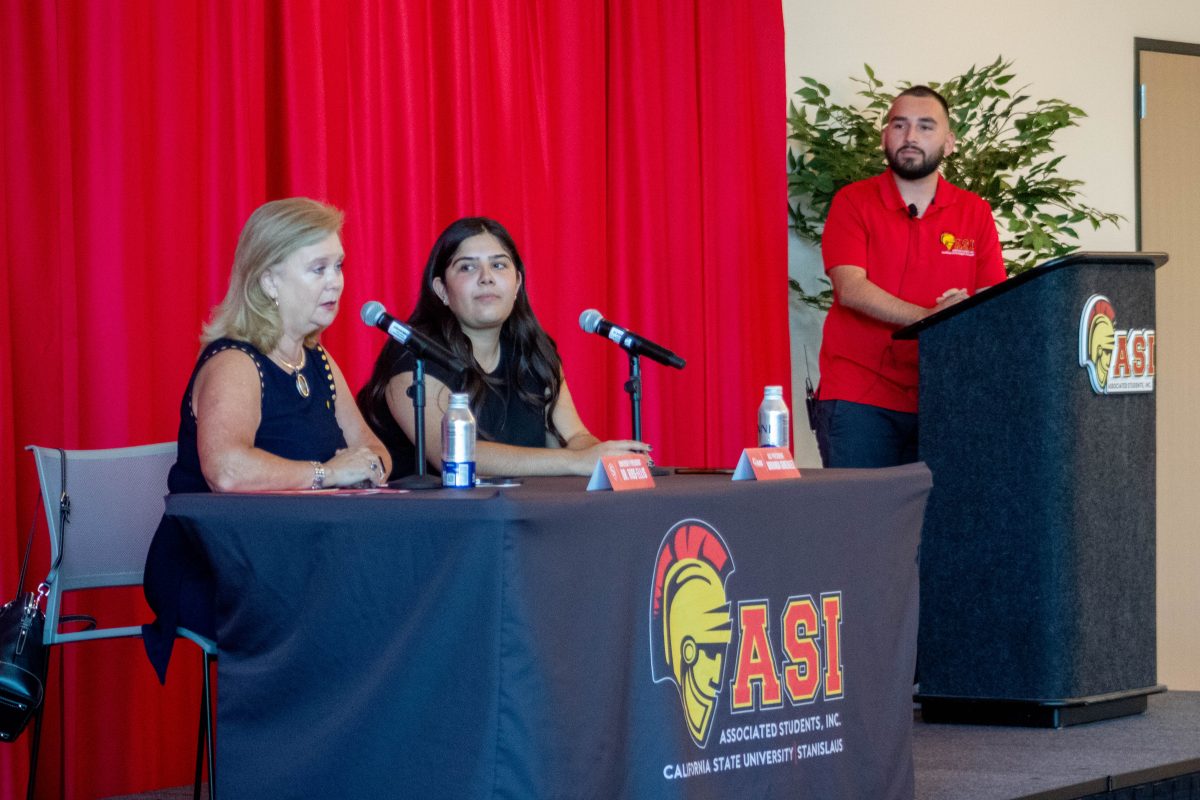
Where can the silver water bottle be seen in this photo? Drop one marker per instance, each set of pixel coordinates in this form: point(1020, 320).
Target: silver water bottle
point(774, 421)
point(458, 444)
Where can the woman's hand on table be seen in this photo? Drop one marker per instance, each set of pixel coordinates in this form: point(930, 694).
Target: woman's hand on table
point(585, 459)
point(355, 466)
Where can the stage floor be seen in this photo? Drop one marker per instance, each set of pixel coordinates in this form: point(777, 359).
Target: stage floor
point(971, 762)
point(954, 762)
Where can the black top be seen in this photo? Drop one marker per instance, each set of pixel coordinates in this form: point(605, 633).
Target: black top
point(292, 426)
point(504, 416)
point(177, 585)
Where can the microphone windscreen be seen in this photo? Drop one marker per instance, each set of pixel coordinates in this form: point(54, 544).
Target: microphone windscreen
point(372, 312)
point(590, 320)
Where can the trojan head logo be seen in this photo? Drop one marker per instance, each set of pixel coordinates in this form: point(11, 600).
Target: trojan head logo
point(690, 625)
point(1097, 333)
point(1118, 361)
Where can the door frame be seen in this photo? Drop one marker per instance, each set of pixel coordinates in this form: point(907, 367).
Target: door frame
point(1139, 46)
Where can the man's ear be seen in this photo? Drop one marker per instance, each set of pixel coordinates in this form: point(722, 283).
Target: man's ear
point(951, 140)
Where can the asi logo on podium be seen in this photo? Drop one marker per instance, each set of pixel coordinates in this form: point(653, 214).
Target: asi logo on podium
point(1117, 361)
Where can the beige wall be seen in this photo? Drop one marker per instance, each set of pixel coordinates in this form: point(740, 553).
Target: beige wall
point(1083, 53)
point(1077, 50)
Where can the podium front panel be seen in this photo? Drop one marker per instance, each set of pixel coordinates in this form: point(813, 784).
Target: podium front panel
point(1037, 558)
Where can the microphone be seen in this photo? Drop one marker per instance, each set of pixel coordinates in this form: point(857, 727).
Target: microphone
point(592, 322)
point(912, 210)
point(420, 345)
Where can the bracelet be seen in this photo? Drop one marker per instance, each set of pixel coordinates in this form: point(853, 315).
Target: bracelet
point(318, 475)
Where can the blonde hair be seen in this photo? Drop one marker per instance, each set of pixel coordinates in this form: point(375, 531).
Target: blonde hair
point(274, 231)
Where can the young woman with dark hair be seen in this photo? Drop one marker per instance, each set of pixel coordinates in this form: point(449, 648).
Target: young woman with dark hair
point(473, 302)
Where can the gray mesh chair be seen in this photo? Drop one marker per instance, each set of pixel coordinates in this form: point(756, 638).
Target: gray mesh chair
point(115, 504)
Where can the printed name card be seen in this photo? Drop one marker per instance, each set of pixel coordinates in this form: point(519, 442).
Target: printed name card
point(621, 473)
point(765, 464)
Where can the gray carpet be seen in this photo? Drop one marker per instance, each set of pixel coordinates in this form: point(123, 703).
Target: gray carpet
point(969, 762)
point(954, 762)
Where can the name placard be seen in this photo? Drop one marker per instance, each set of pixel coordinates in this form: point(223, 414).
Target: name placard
point(765, 464)
point(621, 473)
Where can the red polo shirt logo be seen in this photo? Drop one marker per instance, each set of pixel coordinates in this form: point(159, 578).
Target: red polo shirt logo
point(957, 245)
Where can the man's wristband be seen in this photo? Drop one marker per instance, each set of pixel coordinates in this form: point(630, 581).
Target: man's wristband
point(318, 475)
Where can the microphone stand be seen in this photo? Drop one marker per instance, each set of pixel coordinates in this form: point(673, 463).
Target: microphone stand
point(634, 387)
point(421, 479)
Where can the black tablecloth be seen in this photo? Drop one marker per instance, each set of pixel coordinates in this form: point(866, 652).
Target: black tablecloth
point(505, 642)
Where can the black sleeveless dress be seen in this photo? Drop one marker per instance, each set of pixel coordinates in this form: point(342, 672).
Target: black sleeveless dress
point(177, 584)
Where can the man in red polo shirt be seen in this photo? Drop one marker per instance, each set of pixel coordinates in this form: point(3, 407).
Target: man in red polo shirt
point(897, 248)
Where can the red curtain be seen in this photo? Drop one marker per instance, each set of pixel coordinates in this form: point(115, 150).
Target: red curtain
point(635, 150)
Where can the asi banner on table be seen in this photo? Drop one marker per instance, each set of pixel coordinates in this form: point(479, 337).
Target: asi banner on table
point(715, 639)
point(715, 648)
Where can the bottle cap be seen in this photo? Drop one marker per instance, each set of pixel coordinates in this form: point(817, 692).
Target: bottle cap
point(773, 391)
point(459, 400)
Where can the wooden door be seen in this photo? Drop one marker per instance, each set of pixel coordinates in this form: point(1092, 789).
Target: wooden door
point(1169, 219)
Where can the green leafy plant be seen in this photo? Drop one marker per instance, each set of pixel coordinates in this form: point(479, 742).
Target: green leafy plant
point(1005, 154)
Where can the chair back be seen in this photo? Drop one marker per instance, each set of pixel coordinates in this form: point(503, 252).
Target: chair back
point(116, 501)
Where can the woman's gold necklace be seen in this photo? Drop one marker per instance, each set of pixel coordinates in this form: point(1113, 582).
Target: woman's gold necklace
point(301, 381)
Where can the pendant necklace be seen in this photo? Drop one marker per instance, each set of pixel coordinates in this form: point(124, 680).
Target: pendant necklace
point(301, 381)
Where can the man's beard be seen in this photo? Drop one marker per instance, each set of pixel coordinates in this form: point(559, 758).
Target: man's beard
point(913, 170)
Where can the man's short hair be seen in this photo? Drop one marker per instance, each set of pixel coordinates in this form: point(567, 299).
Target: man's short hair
point(920, 90)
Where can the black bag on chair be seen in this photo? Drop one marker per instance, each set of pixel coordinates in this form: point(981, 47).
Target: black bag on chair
point(23, 656)
point(22, 663)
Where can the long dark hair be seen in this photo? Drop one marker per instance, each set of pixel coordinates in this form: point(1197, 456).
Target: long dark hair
point(533, 352)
